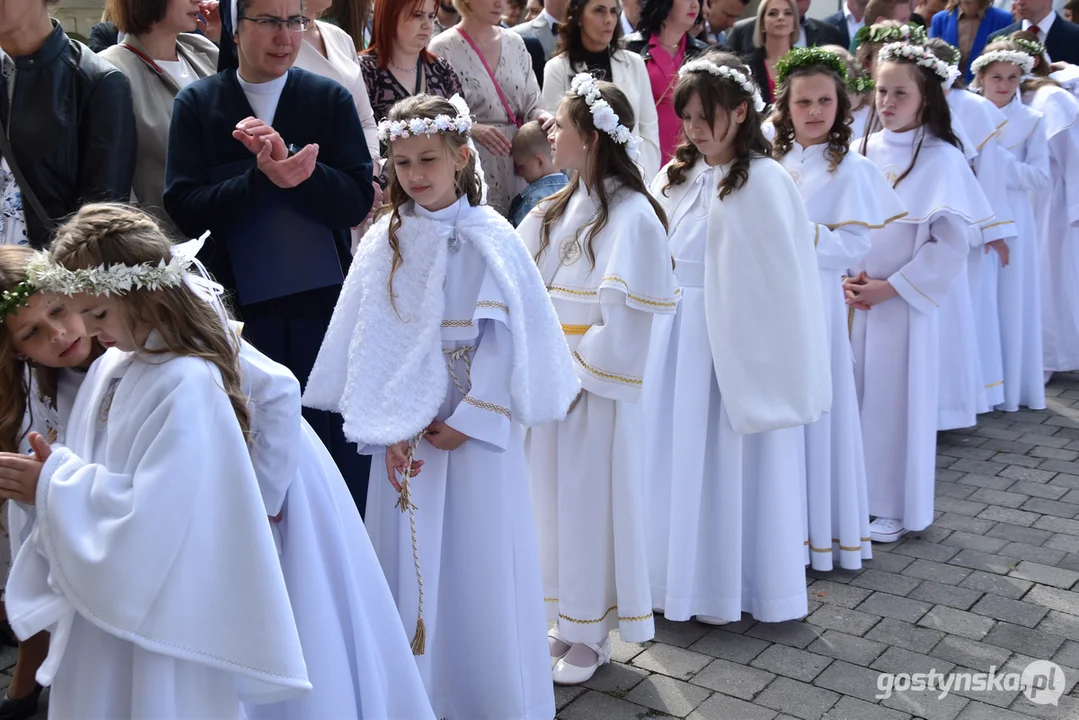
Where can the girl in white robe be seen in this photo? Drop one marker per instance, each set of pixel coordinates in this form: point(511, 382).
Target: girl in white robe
point(898, 286)
point(602, 252)
point(737, 372)
point(155, 479)
point(442, 347)
point(1025, 172)
point(845, 196)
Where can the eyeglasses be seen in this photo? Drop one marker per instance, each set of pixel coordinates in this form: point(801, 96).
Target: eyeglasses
point(273, 25)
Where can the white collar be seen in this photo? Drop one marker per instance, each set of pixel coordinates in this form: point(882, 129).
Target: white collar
point(1045, 23)
point(270, 87)
point(551, 19)
point(448, 214)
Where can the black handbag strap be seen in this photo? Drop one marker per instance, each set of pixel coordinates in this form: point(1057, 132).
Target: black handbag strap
point(27, 193)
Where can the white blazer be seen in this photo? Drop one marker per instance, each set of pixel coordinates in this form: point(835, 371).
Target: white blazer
point(631, 77)
point(342, 64)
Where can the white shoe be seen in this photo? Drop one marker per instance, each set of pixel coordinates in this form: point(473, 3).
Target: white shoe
point(553, 634)
point(566, 674)
point(886, 530)
point(709, 620)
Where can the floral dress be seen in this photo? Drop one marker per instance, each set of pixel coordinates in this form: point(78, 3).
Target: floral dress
point(12, 222)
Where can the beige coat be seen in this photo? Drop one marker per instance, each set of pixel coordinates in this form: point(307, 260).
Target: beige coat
point(152, 95)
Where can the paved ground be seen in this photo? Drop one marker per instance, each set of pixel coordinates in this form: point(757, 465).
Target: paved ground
point(994, 582)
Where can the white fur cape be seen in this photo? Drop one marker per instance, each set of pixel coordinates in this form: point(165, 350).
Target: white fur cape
point(383, 368)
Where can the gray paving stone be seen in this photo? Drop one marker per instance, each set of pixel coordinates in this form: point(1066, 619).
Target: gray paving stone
point(792, 662)
point(980, 711)
point(980, 467)
point(1065, 543)
point(1033, 553)
point(999, 584)
point(990, 696)
point(797, 698)
point(1068, 709)
point(849, 648)
point(623, 651)
point(1008, 515)
point(680, 634)
point(926, 550)
point(1019, 662)
point(668, 695)
point(733, 679)
point(849, 708)
point(1054, 599)
point(927, 704)
point(565, 694)
point(993, 482)
point(894, 606)
point(973, 541)
point(897, 660)
point(672, 661)
point(954, 490)
point(932, 534)
point(1065, 480)
point(957, 622)
point(960, 507)
point(1051, 507)
point(729, 646)
point(968, 653)
point(844, 619)
point(962, 522)
point(1071, 496)
point(597, 706)
point(839, 575)
point(722, 707)
point(1021, 473)
point(1058, 524)
point(831, 593)
point(996, 433)
point(1070, 561)
point(1059, 466)
point(886, 582)
point(976, 560)
point(1012, 454)
point(1049, 491)
point(1054, 453)
point(795, 634)
point(937, 572)
point(1024, 640)
point(1062, 624)
point(1046, 440)
point(851, 680)
point(905, 635)
point(888, 561)
point(1045, 574)
point(940, 594)
point(999, 497)
point(614, 678)
point(1014, 611)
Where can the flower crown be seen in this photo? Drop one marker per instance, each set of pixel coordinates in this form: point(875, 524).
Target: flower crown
point(881, 33)
point(1013, 57)
point(861, 85)
point(808, 57)
point(15, 298)
point(107, 280)
point(921, 57)
point(1031, 47)
point(727, 73)
point(389, 130)
point(603, 115)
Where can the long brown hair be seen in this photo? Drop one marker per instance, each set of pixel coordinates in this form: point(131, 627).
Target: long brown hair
point(467, 180)
point(113, 234)
point(719, 95)
point(840, 133)
point(609, 159)
point(569, 36)
point(351, 16)
point(387, 14)
point(936, 114)
point(14, 378)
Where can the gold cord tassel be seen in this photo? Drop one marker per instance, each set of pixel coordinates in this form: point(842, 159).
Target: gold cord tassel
point(404, 502)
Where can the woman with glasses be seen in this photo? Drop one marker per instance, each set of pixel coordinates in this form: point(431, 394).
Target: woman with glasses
point(160, 55)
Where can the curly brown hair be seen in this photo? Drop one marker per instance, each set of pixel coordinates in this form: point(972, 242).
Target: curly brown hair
point(610, 160)
point(718, 95)
point(113, 234)
point(840, 134)
point(468, 180)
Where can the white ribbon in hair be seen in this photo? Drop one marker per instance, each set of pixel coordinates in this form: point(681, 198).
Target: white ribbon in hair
point(461, 106)
point(199, 280)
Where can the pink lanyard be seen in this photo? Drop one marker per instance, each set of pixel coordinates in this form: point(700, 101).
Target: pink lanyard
point(513, 118)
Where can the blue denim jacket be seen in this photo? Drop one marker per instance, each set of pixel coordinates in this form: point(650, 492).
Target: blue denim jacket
point(533, 194)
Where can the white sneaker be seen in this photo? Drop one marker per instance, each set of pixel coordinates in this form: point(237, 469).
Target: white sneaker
point(886, 530)
point(568, 674)
point(709, 620)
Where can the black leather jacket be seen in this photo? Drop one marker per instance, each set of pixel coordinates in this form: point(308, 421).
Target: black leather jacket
point(638, 43)
point(72, 129)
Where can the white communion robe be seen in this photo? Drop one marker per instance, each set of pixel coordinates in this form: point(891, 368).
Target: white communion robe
point(981, 372)
point(358, 658)
point(859, 122)
point(587, 474)
point(844, 205)
point(466, 287)
point(1057, 216)
point(731, 379)
point(155, 480)
point(896, 360)
point(1026, 172)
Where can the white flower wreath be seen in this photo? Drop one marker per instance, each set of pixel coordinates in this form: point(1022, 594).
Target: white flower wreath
point(1021, 59)
point(727, 73)
point(921, 57)
point(603, 115)
point(115, 279)
point(390, 130)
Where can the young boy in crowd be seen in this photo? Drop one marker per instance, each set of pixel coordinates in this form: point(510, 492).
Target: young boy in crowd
point(532, 157)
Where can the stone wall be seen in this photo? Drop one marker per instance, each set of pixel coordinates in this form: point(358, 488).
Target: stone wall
point(78, 16)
